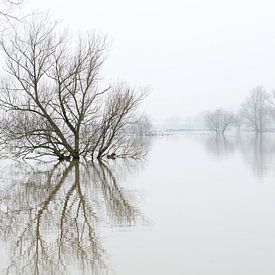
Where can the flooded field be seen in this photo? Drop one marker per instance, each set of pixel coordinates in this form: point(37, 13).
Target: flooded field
point(197, 205)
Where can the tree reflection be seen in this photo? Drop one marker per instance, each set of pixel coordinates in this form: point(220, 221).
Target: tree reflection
point(258, 149)
point(119, 209)
point(50, 218)
point(220, 146)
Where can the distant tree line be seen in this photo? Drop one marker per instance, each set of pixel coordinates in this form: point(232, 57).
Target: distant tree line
point(256, 114)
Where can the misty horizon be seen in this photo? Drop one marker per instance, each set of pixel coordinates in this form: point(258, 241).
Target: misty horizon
point(195, 55)
point(137, 137)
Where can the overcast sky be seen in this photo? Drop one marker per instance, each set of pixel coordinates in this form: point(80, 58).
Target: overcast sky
point(195, 54)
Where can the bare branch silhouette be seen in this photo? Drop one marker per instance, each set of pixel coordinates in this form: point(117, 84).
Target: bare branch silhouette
point(53, 100)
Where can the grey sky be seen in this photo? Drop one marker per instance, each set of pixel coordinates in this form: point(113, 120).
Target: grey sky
point(195, 54)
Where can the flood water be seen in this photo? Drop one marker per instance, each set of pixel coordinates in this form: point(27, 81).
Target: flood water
point(196, 205)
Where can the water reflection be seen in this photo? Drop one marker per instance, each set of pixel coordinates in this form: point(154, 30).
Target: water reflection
point(220, 145)
point(256, 149)
point(119, 210)
point(50, 217)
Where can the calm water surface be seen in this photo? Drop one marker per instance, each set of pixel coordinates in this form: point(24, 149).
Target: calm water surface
point(197, 205)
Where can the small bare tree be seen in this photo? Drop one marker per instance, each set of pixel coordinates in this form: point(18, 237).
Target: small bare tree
point(257, 109)
point(53, 98)
point(219, 121)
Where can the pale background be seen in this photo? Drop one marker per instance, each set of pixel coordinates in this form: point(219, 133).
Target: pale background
point(196, 55)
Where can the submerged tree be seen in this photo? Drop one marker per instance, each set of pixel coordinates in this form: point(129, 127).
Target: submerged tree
point(53, 101)
point(256, 110)
point(219, 121)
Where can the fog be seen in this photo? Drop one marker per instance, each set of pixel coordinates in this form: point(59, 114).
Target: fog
point(98, 177)
point(195, 55)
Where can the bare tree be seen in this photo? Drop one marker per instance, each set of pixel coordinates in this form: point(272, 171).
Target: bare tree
point(219, 121)
point(119, 112)
point(9, 11)
point(53, 98)
point(257, 109)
